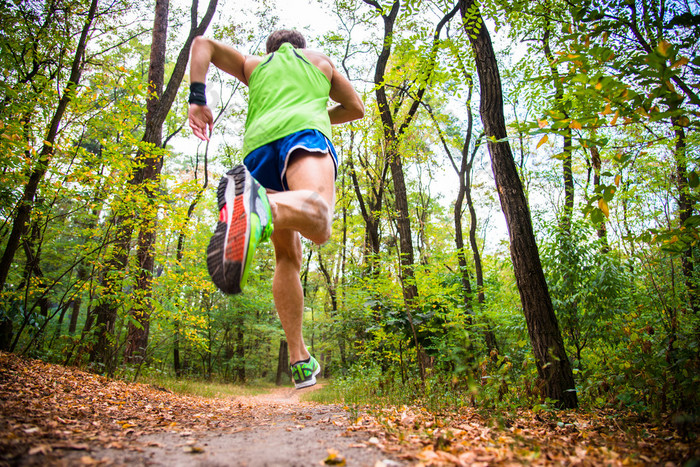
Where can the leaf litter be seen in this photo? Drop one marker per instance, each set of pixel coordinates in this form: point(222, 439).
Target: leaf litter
point(54, 415)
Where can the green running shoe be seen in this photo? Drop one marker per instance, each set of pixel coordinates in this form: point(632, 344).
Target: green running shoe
point(245, 219)
point(304, 373)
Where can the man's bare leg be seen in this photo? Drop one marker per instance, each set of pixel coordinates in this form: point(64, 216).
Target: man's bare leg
point(306, 209)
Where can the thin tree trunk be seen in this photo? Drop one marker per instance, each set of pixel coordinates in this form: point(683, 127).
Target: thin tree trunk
point(464, 192)
point(685, 211)
point(392, 135)
point(567, 213)
point(149, 178)
point(240, 353)
point(282, 362)
point(145, 177)
point(602, 230)
point(552, 363)
point(370, 208)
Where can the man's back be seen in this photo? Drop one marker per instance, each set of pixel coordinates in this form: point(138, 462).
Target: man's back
point(288, 93)
point(319, 60)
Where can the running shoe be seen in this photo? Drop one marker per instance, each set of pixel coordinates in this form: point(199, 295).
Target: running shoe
point(304, 373)
point(245, 219)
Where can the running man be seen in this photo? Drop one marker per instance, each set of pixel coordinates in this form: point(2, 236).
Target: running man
point(288, 174)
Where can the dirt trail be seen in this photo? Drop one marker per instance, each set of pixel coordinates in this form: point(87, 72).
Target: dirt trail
point(274, 429)
point(53, 415)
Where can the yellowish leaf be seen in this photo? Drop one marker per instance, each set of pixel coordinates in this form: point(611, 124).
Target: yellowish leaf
point(193, 449)
point(575, 125)
point(618, 177)
point(607, 110)
point(544, 139)
point(334, 458)
point(663, 47)
point(598, 86)
point(603, 207)
point(541, 123)
point(680, 62)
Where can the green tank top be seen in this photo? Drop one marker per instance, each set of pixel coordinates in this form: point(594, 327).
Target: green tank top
point(287, 93)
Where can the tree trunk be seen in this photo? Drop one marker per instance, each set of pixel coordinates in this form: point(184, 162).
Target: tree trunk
point(145, 177)
point(149, 178)
point(392, 135)
point(283, 363)
point(568, 211)
point(240, 354)
point(685, 210)
point(370, 208)
point(464, 193)
point(596, 163)
point(552, 362)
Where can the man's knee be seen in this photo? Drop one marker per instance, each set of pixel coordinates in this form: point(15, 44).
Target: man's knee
point(318, 210)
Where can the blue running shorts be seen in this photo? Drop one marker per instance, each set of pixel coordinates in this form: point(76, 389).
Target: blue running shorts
point(268, 163)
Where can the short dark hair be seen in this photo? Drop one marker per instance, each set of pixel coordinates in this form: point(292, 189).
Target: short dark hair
point(279, 37)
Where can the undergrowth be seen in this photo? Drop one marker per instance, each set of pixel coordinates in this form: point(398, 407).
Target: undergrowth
point(370, 386)
point(208, 389)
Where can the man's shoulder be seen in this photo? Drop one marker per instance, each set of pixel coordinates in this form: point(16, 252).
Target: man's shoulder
point(315, 55)
point(255, 59)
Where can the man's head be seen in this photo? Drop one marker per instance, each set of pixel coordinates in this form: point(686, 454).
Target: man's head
point(279, 37)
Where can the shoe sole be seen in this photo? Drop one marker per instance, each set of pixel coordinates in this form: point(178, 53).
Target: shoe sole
point(228, 246)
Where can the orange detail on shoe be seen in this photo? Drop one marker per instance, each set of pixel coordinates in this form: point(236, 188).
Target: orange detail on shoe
point(235, 243)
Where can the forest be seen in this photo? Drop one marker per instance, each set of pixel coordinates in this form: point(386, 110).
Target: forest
point(516, 221)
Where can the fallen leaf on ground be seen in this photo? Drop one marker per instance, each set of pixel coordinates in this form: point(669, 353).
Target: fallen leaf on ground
point(334, 458)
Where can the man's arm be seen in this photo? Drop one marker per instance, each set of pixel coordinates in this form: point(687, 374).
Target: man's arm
point(205, 51)
point(350, 106)
point(226, 58)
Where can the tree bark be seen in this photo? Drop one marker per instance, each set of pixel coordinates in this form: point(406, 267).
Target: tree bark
point(551, 360)
point(283, 362)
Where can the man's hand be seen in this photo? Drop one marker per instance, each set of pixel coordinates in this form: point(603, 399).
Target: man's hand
point(201, 120)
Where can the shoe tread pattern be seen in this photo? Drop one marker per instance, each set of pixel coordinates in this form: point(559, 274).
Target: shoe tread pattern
point(227, 275)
